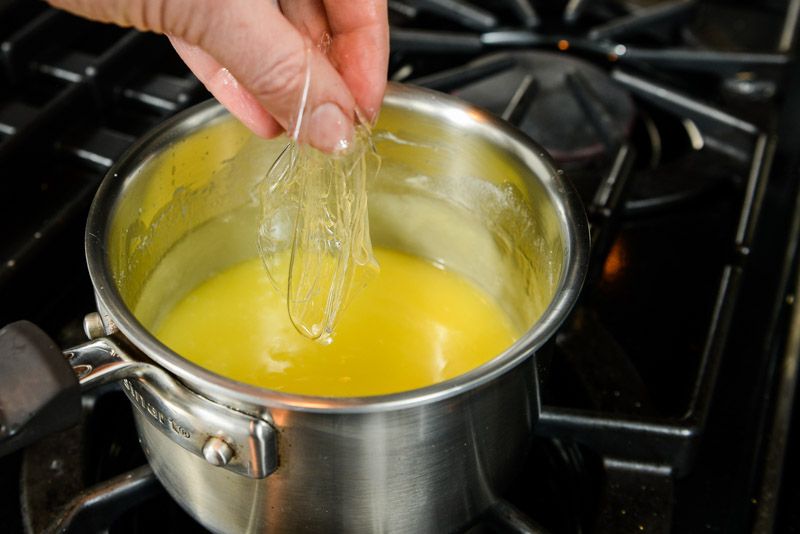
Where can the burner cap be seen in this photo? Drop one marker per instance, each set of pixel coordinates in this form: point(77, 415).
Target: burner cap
point(575, 111)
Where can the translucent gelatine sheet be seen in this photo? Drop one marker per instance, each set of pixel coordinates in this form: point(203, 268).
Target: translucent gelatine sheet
point(313, 235)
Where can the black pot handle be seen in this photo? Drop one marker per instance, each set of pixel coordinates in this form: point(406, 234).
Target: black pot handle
point(39, 392)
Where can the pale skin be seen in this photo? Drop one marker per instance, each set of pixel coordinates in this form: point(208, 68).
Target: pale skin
point(253, 56)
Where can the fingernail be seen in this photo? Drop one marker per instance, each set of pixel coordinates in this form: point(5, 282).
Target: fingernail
point(329, 129)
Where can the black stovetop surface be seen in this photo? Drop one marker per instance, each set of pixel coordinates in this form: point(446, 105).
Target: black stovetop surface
point(660, 394)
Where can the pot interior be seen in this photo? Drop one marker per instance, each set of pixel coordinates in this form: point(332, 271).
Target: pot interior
point(452, 188)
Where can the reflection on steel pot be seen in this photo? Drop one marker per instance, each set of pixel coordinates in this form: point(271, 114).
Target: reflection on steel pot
point(456, 186)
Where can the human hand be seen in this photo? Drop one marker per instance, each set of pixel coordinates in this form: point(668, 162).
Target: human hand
point(251, 55)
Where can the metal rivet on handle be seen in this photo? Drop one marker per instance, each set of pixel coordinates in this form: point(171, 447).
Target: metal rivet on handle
point(217, 452)
point(93, 326)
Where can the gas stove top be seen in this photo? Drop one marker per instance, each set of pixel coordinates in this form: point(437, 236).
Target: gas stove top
point(667, 398)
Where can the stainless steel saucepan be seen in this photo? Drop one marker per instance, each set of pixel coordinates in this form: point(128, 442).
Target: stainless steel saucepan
point(456, 186)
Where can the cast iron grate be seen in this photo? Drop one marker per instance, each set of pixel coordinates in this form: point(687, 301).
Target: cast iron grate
point(75, 95)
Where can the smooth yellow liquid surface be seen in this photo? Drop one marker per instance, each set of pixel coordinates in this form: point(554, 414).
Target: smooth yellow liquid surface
point(413, 325)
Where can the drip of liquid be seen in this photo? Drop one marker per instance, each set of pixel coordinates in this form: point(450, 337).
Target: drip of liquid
point(414, 325)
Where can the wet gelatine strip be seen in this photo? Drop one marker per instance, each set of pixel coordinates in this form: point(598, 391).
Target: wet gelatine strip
point(332, 253)
point(314, 207)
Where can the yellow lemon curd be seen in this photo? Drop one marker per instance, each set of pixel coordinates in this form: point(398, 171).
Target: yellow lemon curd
point(414, 324)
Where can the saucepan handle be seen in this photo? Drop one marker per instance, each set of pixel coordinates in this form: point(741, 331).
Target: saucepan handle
point(39, 392)
point(40, 387)
point(224, 437)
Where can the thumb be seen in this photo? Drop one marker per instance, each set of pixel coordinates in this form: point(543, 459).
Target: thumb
point(260, 48)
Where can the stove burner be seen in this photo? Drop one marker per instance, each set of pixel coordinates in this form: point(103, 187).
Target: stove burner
point(574, 110)
point(673, 166)
point(668, 185)
point(582, 116)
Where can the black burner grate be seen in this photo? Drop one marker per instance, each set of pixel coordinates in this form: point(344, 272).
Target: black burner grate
point(75, 95)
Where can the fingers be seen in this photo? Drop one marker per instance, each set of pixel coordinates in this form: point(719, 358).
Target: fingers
point(308, 16)
point(258, 46)
point(221, 83)
point(270, 57)
point(360, 48)
point(360, 42)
